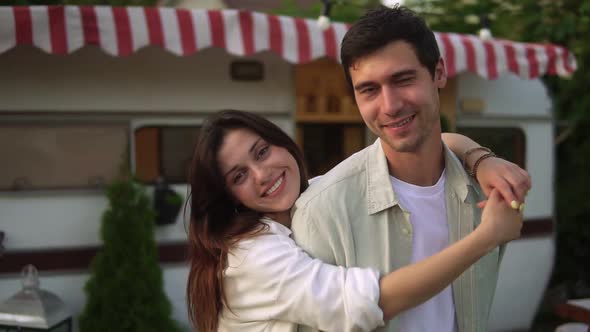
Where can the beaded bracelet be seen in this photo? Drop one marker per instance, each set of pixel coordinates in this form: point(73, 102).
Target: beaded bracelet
point(473, 171)
point(467, 153)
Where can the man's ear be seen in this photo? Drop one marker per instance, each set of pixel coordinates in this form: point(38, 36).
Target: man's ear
point(440, 74)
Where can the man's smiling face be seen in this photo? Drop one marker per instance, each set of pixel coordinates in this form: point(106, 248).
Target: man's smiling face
point(397, 96)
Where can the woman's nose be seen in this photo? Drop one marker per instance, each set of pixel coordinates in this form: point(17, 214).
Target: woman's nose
point(261, 174)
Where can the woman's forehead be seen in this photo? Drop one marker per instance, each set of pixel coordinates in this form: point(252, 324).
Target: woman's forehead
point(237, 146)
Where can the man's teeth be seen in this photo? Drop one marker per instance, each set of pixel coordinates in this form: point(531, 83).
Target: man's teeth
point(403, 123)
point(275, 186)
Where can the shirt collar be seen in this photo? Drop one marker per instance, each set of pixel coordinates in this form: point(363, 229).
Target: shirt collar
point(456, 176)
point(276, 227)
point(380, 193)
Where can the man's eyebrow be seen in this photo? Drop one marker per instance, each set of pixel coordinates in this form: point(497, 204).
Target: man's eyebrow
point(403, 73)
point(394, 76)
point(252, 148)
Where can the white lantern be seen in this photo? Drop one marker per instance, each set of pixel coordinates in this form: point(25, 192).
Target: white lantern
point(34, 309)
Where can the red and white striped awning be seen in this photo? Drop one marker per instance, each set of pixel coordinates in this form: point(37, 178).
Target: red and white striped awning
point(120, 31)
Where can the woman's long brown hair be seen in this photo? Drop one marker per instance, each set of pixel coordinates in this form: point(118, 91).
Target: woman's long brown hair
point(217, 221)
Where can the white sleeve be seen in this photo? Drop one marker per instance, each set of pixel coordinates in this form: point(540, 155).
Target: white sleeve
point(273, 279)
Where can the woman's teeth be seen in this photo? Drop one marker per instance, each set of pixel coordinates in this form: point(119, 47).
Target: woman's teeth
point(275, 186)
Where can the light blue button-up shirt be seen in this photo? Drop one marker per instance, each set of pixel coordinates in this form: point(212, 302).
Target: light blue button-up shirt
point(352, 217)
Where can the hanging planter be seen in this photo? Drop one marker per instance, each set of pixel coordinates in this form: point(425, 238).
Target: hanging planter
point(167, 203)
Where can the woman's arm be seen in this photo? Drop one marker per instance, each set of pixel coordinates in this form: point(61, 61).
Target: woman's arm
point(270, 278)
point(273, 279)
point(512, 181)
point(412, 285)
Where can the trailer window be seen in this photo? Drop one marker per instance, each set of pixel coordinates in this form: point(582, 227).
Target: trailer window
point(64, 156)
point(508, 143)
point(324, 145)
point(164, 151)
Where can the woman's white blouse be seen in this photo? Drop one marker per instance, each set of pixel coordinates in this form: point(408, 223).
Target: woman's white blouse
point(272, 285)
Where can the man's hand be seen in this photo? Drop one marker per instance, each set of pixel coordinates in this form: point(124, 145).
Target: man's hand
point(509, 179)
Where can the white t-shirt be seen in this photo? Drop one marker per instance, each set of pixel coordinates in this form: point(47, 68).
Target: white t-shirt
point(272, 285)
point(430, 234)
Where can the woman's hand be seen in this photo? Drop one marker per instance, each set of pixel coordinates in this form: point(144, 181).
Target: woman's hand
point(509, 179)
point(499, 222)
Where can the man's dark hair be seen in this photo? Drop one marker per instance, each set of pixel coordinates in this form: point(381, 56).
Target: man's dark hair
point(382, 25)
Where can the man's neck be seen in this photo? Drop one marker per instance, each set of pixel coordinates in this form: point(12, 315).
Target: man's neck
point(422, 168)
point(283, 218)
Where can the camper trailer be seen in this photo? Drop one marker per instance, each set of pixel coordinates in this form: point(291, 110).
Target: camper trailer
point(84, 89)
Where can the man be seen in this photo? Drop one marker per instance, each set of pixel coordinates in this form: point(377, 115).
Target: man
point(407, 196)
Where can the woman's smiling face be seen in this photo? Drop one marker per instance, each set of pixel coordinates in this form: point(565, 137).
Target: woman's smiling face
point(261, 176)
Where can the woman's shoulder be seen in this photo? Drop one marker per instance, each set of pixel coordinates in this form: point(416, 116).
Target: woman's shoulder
point(269, 233)
point(261, 249)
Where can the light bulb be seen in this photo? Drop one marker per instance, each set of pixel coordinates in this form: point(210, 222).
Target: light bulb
point(485, 34)
point(323, 22)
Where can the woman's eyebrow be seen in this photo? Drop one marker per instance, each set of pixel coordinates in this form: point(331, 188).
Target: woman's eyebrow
point(252, 148)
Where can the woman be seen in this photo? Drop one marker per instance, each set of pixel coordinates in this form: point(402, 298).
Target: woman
point(243, 260)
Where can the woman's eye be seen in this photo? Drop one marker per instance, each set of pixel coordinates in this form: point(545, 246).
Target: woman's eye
point(239, 177)
point(263, 152)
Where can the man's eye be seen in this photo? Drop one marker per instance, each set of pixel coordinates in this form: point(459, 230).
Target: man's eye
point(367, 91)
point(405, 80)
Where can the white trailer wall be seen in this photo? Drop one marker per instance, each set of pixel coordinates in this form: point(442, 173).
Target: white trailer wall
point(149, 87)
point(528, 263)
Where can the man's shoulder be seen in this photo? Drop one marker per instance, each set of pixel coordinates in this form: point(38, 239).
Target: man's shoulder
point(457, 175)
point(348, 174)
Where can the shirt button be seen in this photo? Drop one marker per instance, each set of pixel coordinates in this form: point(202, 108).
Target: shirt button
point(405, 231)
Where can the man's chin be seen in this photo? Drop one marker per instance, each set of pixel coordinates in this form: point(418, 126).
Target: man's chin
point(406, 148)
point(403, 145)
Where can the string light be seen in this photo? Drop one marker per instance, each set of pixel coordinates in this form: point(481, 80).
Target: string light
point(392, 3)
point(324, 19)
point(485, 33)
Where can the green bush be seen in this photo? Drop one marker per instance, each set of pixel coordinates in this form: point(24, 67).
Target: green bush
point(125, 291)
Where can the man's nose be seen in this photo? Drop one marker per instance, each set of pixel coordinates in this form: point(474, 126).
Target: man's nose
point(391, 101)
